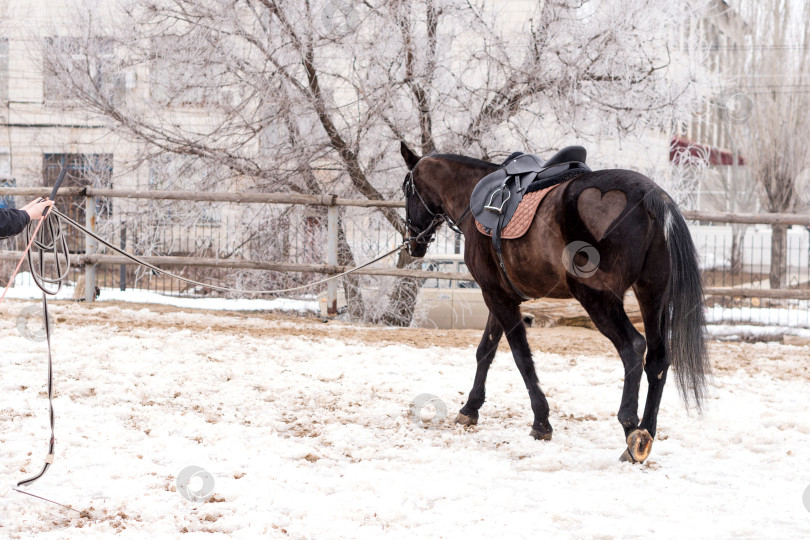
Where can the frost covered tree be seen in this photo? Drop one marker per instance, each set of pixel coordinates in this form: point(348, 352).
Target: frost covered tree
point(771, 106)
point(314, 96)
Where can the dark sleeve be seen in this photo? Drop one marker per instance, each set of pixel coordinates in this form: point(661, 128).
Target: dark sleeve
point(12, 221)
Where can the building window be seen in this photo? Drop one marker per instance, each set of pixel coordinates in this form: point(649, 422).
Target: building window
point(179, 78)
point(74, 66)
point(93, 170)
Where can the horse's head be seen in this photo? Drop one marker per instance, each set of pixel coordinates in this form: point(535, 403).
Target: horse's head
point(423, 212)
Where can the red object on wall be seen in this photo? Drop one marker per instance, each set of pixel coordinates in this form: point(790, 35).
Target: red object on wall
point(679, 146)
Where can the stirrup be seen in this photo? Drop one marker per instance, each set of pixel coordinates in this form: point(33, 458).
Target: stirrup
point(498, 209)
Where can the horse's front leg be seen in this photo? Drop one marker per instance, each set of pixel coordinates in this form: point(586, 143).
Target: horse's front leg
point(468, 415)
point(515, 330)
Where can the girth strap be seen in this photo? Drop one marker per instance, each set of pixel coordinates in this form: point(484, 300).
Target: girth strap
point(496, 243)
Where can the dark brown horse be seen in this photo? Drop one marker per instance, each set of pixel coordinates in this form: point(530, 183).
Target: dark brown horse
point(593, 238)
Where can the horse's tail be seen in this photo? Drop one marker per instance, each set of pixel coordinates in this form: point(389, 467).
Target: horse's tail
point(682, 319)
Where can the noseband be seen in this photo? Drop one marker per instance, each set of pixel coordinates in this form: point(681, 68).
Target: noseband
point(426, 235)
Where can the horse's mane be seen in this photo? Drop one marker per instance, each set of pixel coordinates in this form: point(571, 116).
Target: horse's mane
point(465, 160)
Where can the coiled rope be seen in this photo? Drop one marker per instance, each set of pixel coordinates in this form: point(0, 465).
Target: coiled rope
point(39, 241)
point(50, 239)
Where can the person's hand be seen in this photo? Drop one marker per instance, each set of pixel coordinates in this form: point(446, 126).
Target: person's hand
point(36, 207)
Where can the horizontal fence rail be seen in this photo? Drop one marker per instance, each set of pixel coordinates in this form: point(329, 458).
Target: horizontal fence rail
point(749, 219)
point(333, 200)
point(206, 196)
point(245, 264)
point(116, 260)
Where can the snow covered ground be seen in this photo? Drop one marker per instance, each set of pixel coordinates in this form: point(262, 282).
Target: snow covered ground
point(24, 288)
point(796, 316)
point(305, 428)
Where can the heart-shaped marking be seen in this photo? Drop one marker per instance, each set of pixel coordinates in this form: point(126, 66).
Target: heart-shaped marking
point(598, 211)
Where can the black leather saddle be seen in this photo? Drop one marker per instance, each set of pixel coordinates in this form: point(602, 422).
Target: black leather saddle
point(497, 195)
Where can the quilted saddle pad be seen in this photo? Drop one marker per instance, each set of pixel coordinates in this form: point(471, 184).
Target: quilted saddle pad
point(523, 217)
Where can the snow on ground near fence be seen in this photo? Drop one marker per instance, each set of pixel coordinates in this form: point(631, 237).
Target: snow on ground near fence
point(763, 333)
point(25, 289)
point(794, 316)
point(772, 321)
point(305, 428)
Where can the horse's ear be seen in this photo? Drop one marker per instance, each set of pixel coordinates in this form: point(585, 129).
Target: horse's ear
point(410, 158)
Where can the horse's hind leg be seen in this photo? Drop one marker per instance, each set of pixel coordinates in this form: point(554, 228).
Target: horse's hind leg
point(650, 299)
point(607, 312)
point(484, 356)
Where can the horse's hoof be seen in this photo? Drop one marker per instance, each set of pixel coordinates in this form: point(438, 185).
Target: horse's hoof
point(539, 435)
point(465, 420)
point(639, 446)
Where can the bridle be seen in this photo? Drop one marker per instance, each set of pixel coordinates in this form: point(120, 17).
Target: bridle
point(426, 235)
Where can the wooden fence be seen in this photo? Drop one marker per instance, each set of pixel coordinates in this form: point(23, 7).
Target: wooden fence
point(91, 258)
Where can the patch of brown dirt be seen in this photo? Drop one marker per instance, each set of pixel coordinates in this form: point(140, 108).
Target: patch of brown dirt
point(562, 340)
point(778, 361)
point(781, 361)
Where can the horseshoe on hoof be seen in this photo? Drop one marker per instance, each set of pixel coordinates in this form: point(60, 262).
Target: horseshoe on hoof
point(465, 420)
point(639, 446)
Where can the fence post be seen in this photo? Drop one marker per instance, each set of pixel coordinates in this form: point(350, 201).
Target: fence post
point(89, 248)
point(123, 274)
point(331, 257)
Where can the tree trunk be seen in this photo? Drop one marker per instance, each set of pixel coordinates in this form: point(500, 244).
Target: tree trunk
point(402, 302)
point(778, 256)
point(402, 299)
point(351, 283)
point(737, 235)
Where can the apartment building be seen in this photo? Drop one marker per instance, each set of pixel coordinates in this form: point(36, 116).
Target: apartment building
point(723, 185)
point(43, 131)
point(40, 132)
